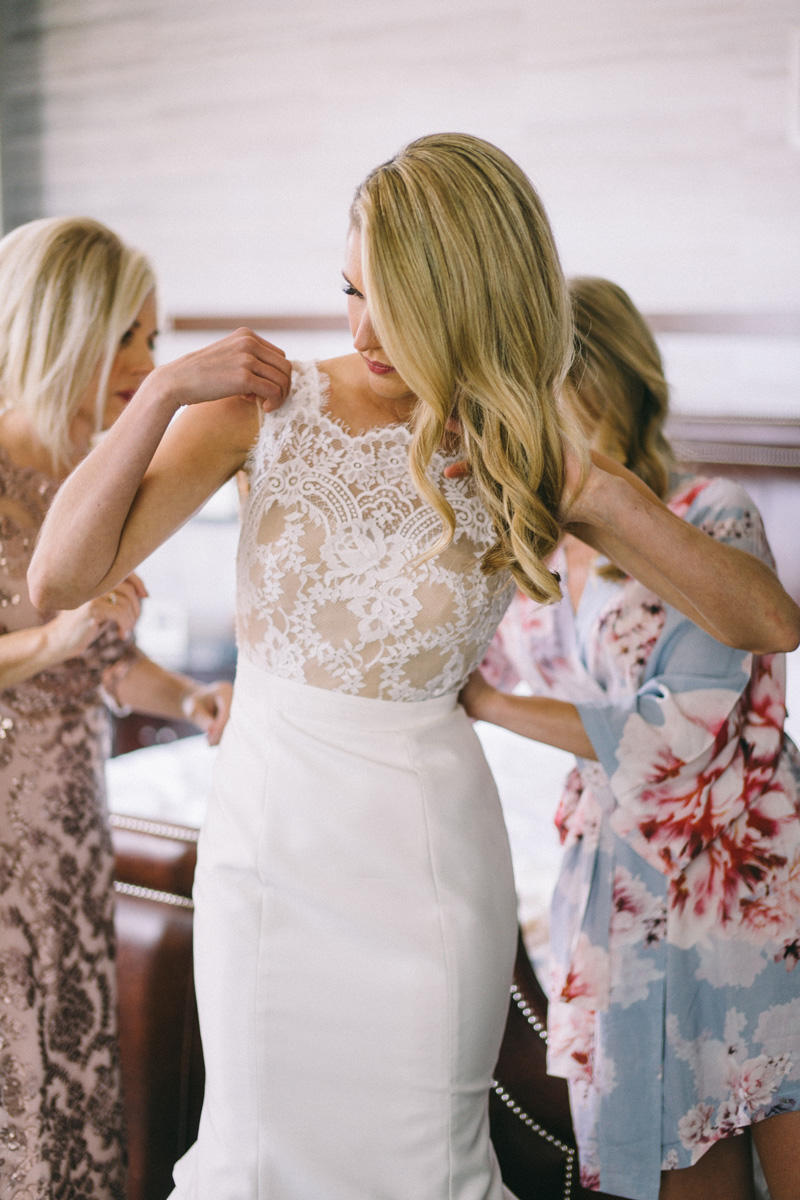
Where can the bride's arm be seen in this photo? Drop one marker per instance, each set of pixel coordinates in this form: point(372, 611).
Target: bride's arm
point(144, 480)
point(729, 593)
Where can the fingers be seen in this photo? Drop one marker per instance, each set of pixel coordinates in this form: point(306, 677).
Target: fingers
point(457, 470)
point(222, 696)
point(241, 364)
point(474, 691)
point(209, 708)
point(122, 605)
point(268, 349)
point(269, 369)
point(128, 595)
point(138, 585)
point(214, 732)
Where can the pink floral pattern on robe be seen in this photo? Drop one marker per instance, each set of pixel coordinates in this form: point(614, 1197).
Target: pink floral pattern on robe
point(675, 1006)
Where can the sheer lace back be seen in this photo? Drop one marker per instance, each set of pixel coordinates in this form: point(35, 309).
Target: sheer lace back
point(331, 592)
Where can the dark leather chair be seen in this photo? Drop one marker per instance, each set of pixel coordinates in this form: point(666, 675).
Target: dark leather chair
point(529, 1109)
point(162, 1062)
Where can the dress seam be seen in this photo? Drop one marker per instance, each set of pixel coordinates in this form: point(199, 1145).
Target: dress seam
point(446, 959)
point(260, 987)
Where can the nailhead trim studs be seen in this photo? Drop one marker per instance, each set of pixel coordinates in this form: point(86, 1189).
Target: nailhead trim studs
point(540, 1131)
point(145, 893)
point(528, 1013)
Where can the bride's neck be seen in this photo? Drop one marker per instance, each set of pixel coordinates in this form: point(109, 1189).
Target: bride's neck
point(354, 403)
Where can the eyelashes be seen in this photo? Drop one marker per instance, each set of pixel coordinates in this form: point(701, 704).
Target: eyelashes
point(349, 290)
point(127, 337)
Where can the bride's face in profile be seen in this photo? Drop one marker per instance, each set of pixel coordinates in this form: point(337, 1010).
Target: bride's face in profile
point(382, 376)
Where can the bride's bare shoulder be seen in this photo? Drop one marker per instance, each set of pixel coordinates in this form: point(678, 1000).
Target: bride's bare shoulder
point(345, 376)
point(344, 369)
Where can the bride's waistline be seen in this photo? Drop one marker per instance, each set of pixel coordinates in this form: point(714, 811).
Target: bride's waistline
point(256, 688)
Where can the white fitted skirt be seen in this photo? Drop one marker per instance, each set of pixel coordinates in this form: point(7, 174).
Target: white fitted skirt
point(355, 928)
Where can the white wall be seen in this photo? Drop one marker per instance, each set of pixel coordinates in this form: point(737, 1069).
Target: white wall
point(226, 140)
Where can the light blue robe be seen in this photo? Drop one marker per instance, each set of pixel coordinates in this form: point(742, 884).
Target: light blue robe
point(675, 1010)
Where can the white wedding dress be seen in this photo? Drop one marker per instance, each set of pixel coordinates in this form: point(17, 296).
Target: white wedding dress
point(355, 917)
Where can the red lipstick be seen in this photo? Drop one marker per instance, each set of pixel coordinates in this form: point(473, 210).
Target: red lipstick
point(378, 368)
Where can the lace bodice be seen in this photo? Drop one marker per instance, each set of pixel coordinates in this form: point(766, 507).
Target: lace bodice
point(329, 592)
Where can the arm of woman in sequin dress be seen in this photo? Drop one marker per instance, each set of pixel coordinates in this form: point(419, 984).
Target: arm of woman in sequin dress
point(145, 480)
point(139, 684)
point(26, 652)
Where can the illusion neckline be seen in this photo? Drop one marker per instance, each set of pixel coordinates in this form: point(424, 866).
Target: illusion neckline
point(323, 381)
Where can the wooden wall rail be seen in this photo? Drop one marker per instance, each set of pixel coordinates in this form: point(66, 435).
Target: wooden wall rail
point(762, 455)
point(737, 441)
point(296, 323)
point(733, 324)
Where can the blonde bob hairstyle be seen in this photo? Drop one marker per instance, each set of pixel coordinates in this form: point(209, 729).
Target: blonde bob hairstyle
point(616, 383)
point(69, 290)
point(467, 297)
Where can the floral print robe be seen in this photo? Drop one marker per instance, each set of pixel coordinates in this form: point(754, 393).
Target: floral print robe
point(675, 1003)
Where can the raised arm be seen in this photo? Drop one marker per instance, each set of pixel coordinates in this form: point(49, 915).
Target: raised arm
point(729, 593)
point(144, 480)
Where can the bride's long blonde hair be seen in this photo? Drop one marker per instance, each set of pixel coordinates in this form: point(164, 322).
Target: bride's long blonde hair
point(467, 296)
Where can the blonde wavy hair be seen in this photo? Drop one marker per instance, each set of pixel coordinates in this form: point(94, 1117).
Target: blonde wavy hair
point(616, 385)
point(69, 290)
point(467, 296)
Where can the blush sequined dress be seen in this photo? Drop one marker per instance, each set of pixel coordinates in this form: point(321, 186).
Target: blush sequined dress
point(61, 1125)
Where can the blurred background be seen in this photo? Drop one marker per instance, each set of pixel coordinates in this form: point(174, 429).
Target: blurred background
point(226, 139)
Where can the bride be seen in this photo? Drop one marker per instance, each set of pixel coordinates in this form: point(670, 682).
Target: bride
point(355, 909)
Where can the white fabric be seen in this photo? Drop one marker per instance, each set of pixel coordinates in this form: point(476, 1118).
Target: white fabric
point(331, 591)
point(355, 933)
point(355, 918)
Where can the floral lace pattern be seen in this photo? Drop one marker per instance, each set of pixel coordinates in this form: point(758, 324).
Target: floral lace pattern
point(332, 591)
point(61, 1122)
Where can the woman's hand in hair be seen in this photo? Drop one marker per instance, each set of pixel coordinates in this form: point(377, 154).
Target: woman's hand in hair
point(576, 474)
point(458, 470)
point(241, 365)
point(729, 593)
point(581, 477)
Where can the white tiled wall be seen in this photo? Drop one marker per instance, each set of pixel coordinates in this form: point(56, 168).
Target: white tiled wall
point(226, 139)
